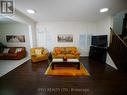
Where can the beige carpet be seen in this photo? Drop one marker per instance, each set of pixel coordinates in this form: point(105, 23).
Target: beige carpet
point(70, 70)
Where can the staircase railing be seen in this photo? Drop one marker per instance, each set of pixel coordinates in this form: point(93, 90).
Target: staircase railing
point(118, 51)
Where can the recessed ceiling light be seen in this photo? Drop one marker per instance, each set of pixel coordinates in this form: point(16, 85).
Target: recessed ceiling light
point(104, 10)
point(30, 11)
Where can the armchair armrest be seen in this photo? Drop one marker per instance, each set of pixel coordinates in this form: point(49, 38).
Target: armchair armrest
point(45, 52)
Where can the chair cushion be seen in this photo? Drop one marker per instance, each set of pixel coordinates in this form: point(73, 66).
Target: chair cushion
point(38, 51)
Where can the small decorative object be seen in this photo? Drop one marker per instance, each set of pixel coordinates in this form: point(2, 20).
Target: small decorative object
point(65, 58)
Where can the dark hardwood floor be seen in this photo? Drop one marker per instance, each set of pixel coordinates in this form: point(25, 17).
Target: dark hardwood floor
point(29, 79)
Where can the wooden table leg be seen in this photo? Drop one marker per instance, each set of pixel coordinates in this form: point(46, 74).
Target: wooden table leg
point(78, 66)
point(52, 66)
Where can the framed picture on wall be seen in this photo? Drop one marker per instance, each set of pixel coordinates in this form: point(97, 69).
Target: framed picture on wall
point(15, 38)
point(65, 38)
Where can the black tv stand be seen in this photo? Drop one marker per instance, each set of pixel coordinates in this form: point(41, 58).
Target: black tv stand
point(98, 48)
point(98, 54)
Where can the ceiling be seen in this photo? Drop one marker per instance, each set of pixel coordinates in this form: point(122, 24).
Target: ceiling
point(70, 10)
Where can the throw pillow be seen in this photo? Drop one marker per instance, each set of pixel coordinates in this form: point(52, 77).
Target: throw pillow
point(73, 51)
point(58, 50)
point(6, 50)
point(18, 50)
point(12, 50)
point(38, 51)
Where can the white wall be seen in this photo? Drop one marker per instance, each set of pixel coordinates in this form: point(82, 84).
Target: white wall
point(47, 34)
point(15, 29)
point(26, 20)
point(103, 26)
point(0, 33)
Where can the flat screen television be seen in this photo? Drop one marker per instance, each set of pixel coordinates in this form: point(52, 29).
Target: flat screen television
point(99, 40)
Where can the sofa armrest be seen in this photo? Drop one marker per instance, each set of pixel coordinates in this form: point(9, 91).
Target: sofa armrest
point(77, 53)
point(45, 52)
point(53, 53)
point(21, 53)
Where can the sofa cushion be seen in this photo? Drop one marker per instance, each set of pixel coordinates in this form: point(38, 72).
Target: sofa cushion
point(11, 55)
point(60, 56)
point(12, 50)
point(6, 50)
point(68, 52)
point(63, 52)
point(70, 56)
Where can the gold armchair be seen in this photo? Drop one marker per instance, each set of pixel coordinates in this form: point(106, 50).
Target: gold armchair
point(38, 54)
